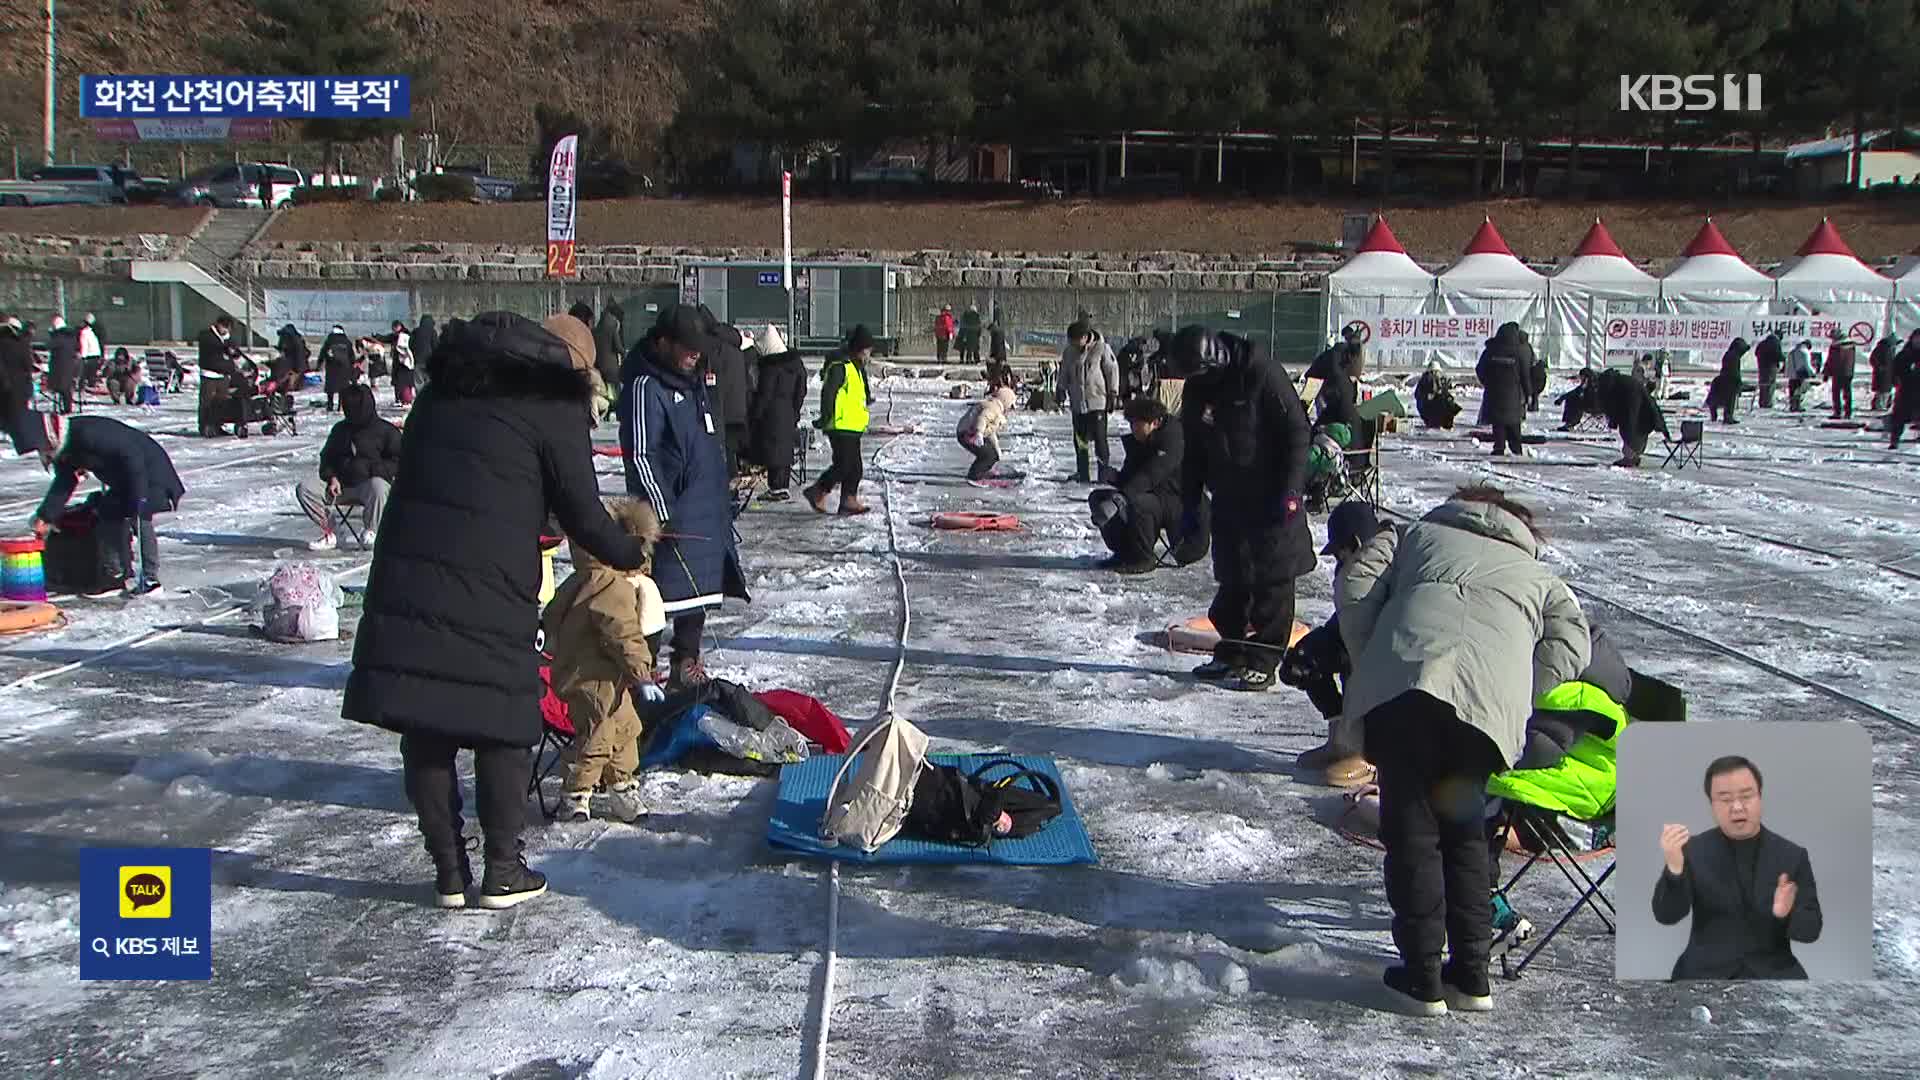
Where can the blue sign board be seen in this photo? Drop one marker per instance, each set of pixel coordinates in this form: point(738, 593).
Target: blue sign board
point(146, 913)
point(233, 96)
point(770, 278)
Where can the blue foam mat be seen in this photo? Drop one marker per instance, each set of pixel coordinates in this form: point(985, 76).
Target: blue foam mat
point(795, 824)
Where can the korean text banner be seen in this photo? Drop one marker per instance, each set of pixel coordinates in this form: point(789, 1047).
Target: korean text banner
point(1706, 333)
point(561, 207)
point(1398, 333)
point(373, 97)
point(146, 913)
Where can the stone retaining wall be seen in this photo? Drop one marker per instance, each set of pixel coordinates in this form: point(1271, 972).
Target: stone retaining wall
point(86, 255)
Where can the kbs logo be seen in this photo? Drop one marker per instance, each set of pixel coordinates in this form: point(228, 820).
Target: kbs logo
point(1691, 93)
point(146, 892)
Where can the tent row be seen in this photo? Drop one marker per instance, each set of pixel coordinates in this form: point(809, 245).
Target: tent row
point(1601, 303)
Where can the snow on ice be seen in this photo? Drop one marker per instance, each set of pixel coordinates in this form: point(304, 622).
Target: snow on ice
point(1232, 929)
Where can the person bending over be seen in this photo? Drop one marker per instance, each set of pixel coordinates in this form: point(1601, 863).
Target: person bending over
point(136, 472)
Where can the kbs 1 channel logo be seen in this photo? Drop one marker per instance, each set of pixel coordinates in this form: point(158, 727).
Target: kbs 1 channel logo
point(1690, 93)
point(146, 913)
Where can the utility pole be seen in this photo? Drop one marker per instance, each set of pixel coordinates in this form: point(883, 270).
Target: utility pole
point(48, 103)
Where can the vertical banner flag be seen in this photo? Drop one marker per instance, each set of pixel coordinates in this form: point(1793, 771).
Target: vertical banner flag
point(560, 208)
point(786, 226)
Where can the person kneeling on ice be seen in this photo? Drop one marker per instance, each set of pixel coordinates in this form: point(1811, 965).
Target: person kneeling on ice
point(138, 475)
point(1456, 628)
point(979, 430)
point(358, 464)
point(1318, 660)
point(1144, 498)
point(1433, 398)
point(603, 627)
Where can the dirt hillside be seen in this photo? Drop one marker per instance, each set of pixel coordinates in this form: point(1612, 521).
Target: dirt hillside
point(608, 58)
point(1534, 229)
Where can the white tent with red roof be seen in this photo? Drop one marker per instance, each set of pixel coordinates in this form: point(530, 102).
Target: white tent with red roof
point(1598, 281)
point(1490, 281)
point(1825, 277)
point(1711, 279)
point(1380, 280)
point(1905, 317)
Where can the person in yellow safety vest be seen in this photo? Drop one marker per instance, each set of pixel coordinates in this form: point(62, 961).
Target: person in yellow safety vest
point(845, 396)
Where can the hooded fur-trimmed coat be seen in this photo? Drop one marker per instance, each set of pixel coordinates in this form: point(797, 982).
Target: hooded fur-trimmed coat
point(493, 445)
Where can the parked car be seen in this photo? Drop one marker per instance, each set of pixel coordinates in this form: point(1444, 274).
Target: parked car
point(237, 185)
point(58, 185)
point(486, 188)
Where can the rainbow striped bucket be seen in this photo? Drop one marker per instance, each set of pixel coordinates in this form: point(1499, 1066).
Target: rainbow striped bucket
point(23, 577)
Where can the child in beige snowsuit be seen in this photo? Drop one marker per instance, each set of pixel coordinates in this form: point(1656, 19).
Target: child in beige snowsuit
point(603, 627)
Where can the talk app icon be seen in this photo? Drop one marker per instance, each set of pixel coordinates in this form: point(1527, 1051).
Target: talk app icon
point(146, 892)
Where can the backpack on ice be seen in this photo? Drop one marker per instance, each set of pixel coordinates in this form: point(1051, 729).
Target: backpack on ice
point(873, 808)
point(955, 807)
point(299, 603)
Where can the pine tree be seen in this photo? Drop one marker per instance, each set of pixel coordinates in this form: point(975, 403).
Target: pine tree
point(337, 37)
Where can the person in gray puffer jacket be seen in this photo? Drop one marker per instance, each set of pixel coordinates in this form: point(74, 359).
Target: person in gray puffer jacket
point(1090, 381)
point(1455, 628)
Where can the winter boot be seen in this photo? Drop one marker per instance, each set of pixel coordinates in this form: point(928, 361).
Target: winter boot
point(780, 496)
point(578, 806)
point(850, 505)
point(623, 802)
point(1416, 991)
point(1317, 758)
point(509, 882)
point(1466, 987)
point(1214, 670)
point(1346, 772)
point(452, 876)
point(327, 542)
point(687, 674)
point(1252, 680)
point(815, 498)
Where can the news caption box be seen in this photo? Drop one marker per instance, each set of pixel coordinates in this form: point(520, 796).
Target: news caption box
point(146, 913)
point(136, 97)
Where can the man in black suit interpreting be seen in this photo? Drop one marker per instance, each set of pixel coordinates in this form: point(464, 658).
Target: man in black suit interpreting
point(1750, 889)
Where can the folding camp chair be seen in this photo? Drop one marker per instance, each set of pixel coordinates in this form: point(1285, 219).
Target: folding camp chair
point(343, 513)
point(1361, 477)
point(1687, 448)
point(1542, 837)
point(802, 445)
point(556, 735)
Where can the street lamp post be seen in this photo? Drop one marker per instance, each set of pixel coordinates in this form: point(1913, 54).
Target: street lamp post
point(48, 103)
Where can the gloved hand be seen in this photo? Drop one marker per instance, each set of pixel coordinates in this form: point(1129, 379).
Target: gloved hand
point(650, 693)
point(1291, 503)
point(1109, 476)
point(140, 508)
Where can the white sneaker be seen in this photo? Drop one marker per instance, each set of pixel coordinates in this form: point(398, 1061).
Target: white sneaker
point(577, 806)
point(366, 540)
point(327, 542)
point(623, 802)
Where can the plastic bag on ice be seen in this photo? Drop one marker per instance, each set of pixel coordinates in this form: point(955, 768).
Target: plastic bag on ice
point(299, 602)
point(778, 743)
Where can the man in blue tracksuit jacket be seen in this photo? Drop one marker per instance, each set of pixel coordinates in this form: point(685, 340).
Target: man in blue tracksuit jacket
point(670, 442)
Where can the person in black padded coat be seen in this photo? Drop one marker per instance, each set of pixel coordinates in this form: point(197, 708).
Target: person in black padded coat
point(1507, 375)
point(444, 653)
point(779, 396)
point(1246, 446)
